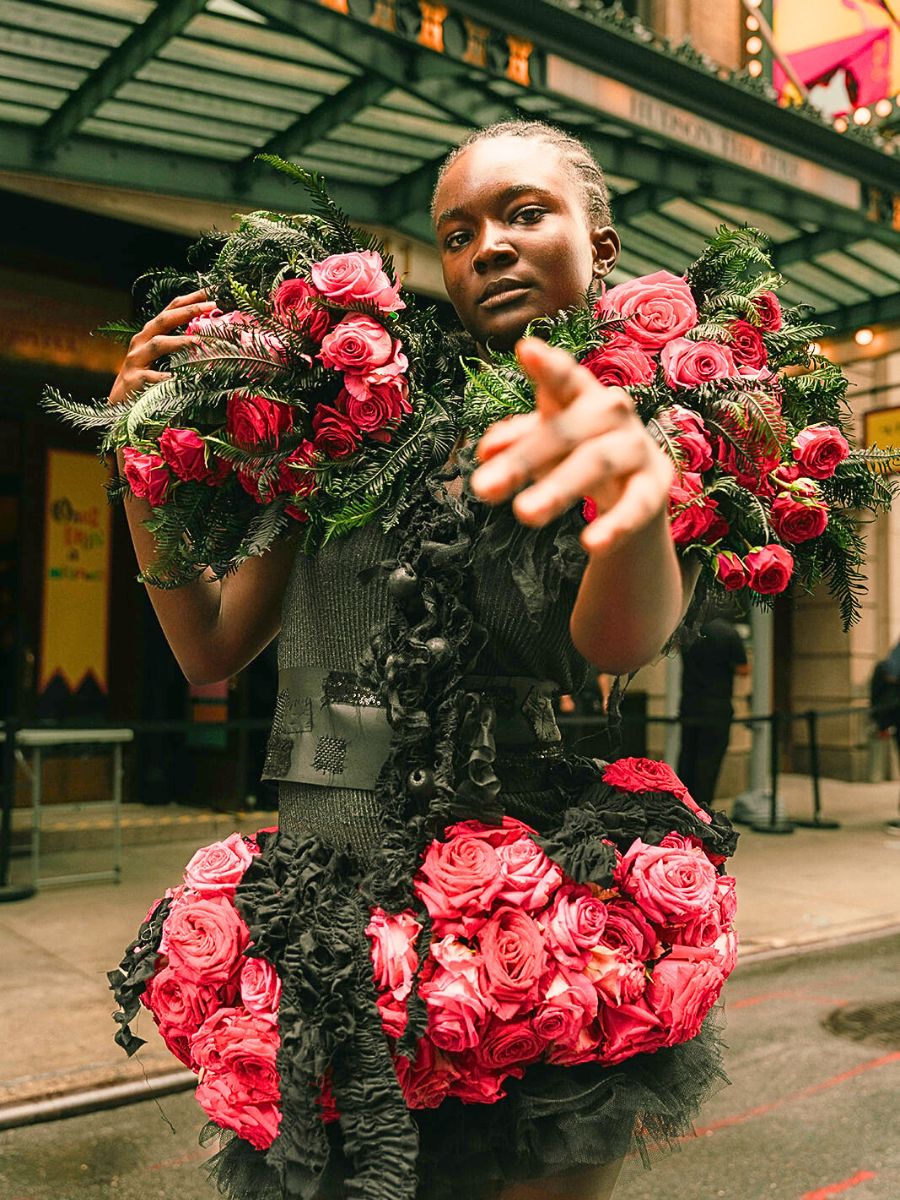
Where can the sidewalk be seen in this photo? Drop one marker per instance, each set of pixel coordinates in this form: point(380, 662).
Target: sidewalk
point(794, 890)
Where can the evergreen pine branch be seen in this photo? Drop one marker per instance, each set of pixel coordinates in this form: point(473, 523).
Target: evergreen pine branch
point(118, 331)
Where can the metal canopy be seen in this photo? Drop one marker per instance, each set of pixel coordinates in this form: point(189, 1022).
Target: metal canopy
point(178, 96)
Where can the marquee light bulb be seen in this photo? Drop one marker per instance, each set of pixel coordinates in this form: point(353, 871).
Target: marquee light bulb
point(754, 67)
point(864, 337)
point(884, 107)
point(754, 45)
point(752, 24)
point(840, 124)
point(862, 116)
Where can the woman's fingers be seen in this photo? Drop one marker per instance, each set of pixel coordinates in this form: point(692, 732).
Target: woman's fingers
point(637, 505)
point(146, 352)
point(590, 466)
point(558, 379)
point(192, 298)
point(170, 318)
point(499, 435)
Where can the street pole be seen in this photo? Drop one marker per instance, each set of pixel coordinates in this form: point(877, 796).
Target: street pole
point(756, 805)
point(673, 702)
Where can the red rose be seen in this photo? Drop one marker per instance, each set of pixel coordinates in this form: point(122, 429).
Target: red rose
point(206, 938)
point(458, 882)
point(242, 1044)
point(456, 1006)
point(185, 452)
point(357, 343)
point(797, 519)
point(573, 924)
point(692, 437)
point(506, 1044)
point(620, 362)
point(819, 449)
point(671, 885)
point(642, 775)
point(730, 571)
point(295, 478)
point(147, 475)
point(691, 512)
point(250, 419)
point(618, 977)
point(394, 957)
point(426, 1082)
point(747, 346)
point(477, 1084)
point(294, 303)
point(394, 1017)
point(568, 1004)
point(770, 569)
point(335, 434)
point(512, 952)
point(658, 307)
point(688, 364)
point(627, 1030)
point(681, 992)
point(355, 278)
point(588, 509)
point(230, 1105)
point(528, 876)
point(768, 309)
point(377, 399)
point(180, 1006)
point(629, 932)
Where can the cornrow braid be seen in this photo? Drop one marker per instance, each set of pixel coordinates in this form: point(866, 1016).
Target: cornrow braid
point(581, 163)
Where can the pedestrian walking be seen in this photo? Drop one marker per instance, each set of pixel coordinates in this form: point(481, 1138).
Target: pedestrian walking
point(884, 697)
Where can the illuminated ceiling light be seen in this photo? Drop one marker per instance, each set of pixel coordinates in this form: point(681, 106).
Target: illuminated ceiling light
point(754, 45)
point(862, 116)
point(752, 24)
point(754, 66)
point(864, 337)
point(884, 107)
point(840, 124)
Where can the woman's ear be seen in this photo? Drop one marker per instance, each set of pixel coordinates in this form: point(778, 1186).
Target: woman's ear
point(606, 248)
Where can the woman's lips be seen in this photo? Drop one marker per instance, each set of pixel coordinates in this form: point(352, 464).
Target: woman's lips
point(508, 296)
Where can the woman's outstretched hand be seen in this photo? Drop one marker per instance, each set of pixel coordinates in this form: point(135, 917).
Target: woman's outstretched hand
point(156, 339)
point(583, 439)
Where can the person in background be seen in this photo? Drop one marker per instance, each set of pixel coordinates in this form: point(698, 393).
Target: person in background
point(884, 696)
point(709, 665)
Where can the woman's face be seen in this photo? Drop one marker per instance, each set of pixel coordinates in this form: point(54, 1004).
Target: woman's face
point(515, 240)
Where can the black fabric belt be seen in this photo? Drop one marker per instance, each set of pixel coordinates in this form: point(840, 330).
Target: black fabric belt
point(329, 730)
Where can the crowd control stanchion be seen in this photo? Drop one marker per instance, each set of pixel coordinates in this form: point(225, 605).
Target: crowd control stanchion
point(817, 821)
point(9, 891)
point(776, 822)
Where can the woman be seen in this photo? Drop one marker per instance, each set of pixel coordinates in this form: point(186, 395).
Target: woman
point(522, 224)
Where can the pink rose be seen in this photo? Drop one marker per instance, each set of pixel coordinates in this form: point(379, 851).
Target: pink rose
point(819, 449)
point(456, 1008)
point(356, 278)
point(179, 1006)
point(726, 896)
point(658, 308)
point(335, 434)
point(357, 343)
point(691, 511)
point(746, 345)
point(513, 957)
point(216, 870)
point(394, 957)
point(584, 1049)
point(618, 978)
point(629, 1029)
point(797, 519)
point(688, 364)
point(671, 885)
point(458, 881)
point(426, 1082)
point(681, 992)
point(508, 831)
point(768, 309)
point(528, 876)
point(206, 938)
point(730, 571)
point(620, 362)
point(260, 987)
point(147, 475)
point(230, 1105)
point(629, 932)
point(243, 1044)
point(726, 948)
point(251, 419)
point(574, 923)
point(294, 303)
point(506, 1044)
point(568, 1004)
point(770, 569)
point(248, 336)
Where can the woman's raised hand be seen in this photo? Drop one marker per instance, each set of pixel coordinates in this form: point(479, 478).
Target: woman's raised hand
point(155, 340)
point(583, 439)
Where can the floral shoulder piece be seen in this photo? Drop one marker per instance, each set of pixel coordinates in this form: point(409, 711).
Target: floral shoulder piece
point(729, 382)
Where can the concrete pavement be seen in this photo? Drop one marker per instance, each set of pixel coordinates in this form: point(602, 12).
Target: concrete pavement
point(797, 890)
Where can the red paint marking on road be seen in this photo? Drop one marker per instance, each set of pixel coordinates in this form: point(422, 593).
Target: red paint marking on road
point(835, 1189)
point(761, 1109)
point(750, 1001)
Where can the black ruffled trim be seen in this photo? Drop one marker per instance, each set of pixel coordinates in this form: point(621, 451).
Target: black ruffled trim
point(133, 973)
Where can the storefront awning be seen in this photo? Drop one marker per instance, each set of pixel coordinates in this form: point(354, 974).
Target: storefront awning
point(177, 97)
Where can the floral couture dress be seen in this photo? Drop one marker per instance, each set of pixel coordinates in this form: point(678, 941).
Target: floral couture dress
point(456, 625)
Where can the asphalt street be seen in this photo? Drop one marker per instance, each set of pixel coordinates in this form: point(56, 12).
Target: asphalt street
point(811, 1113)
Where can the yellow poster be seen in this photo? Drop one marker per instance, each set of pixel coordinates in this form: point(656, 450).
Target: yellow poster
point(76, 571)
point(882, 430)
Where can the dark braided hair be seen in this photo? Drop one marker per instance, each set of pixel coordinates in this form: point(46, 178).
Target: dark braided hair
point(581, 163)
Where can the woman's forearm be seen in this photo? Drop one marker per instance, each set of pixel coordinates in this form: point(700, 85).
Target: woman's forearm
point(631, 600)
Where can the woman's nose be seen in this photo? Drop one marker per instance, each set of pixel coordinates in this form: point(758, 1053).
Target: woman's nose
point(493, 245)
